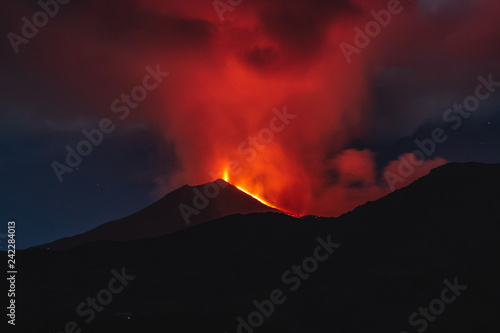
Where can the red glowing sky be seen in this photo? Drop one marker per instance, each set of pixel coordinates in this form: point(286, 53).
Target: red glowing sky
point(227, 77)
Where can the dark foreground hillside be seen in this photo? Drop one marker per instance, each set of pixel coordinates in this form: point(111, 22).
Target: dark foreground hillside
point(389, 259)
point(202, 203)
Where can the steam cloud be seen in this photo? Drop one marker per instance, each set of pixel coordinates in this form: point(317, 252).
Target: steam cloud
point(227, 77)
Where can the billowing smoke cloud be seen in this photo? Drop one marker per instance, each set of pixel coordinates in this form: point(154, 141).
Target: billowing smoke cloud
point(222, 107)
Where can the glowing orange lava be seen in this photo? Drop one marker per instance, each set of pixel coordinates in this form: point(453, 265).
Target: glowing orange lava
point(256, 197)
point(225, 176)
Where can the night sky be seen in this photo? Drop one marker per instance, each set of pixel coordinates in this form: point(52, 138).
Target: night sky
point(286, 96)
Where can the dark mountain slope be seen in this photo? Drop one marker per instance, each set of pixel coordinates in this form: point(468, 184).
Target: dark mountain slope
point(395, 254)
point(165, 217)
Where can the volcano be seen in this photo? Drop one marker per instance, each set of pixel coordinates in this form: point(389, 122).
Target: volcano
point(184, 207)
point(397, 255)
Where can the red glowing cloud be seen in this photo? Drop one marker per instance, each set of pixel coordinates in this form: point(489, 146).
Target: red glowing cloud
point(228, 78)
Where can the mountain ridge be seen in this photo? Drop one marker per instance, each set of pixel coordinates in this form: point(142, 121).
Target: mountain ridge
point(395, 254)
point(184, 207)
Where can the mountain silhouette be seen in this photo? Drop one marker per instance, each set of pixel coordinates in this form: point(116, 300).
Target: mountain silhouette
point(186, 206)
point(392, 257)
